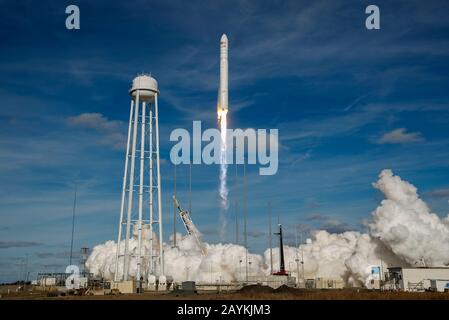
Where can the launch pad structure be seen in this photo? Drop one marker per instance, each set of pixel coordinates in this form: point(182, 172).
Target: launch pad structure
point(142, 186)
point(139, 266)
point(189, 225)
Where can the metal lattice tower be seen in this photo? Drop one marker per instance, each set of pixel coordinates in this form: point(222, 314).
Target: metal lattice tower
point(141, 183)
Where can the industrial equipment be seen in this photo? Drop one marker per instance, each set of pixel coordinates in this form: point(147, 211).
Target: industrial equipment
point(190, 227)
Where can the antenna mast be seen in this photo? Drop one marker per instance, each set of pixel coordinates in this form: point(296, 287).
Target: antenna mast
point(174, 209)
point(245, 221)
point(73, 224)
point(271, 238)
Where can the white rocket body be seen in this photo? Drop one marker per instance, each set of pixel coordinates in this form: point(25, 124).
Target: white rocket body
point(222, 104)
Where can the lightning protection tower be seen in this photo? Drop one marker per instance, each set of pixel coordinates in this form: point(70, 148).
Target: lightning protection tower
point(142, 184)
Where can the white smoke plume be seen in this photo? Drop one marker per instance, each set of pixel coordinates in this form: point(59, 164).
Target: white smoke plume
point(223, 189)
point(101, 262)
point(402, 232)
point(404, 223)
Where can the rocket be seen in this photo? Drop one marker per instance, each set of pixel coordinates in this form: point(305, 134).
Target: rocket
point(222, 103)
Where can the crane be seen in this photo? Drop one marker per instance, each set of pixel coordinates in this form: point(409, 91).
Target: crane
point(190, 227)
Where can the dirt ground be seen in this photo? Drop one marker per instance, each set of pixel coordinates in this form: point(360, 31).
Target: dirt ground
point(248, 293)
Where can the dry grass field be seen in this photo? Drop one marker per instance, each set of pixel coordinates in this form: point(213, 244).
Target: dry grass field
point(245, 294)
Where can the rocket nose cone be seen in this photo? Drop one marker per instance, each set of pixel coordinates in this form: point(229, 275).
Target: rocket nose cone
point(224, 38)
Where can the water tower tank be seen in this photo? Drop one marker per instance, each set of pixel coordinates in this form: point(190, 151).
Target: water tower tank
point(147, 87)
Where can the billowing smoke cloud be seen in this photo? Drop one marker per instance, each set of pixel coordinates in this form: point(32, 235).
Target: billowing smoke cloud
point(402, 232)
point(223, 262)
point(101, 262)
point(404, 223)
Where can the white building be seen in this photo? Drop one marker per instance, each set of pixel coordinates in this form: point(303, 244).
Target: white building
point(417, 279)
point(274, 281)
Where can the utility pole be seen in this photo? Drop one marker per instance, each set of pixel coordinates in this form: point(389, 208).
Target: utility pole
point(297, 257)
point(302, 259)
point(174, 208)
point(73, 224)
point(245, 219)
point(190, 188)
point(236, 223)
point(211, 272)
point(20, 270)
point(240, 269)
point(26, 272)
point(271, 238)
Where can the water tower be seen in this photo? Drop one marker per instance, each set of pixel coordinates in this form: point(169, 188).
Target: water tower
point(141, 184)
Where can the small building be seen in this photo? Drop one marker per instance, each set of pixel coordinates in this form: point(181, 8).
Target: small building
point(124, 287)
point(322, 283)
point(416, 279)
point(274, 281)
point(329, 283)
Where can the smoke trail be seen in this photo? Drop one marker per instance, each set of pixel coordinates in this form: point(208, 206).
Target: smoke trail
point(223, 189)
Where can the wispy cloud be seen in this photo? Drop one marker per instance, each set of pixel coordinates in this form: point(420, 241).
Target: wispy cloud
point(439, 193)
point(329, 224)
point(18, 244)
point(94, 121)
point(400, 136)
point(336, 226)
point(110, 130)
point(256, 234)
point(329, 125)
point(355, 102)
point(57, 255)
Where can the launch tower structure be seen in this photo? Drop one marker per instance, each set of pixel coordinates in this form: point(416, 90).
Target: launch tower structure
point(282, 271)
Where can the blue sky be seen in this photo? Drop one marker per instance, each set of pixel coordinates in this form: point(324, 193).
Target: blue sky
point(348, 103)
